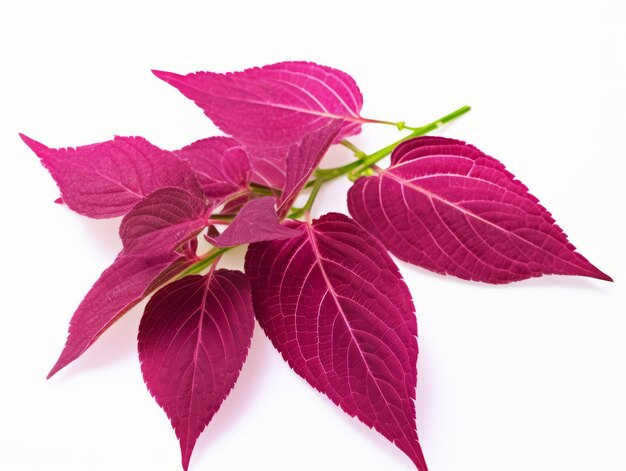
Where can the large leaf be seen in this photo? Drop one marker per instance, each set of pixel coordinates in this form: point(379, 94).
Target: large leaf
point(335, 306)
point(107, 179)
point(446, 206)
point(161, 222)
point(126, 282)
point(256, 222)
point(270, 108)
point(193, 340)
point(221, 165)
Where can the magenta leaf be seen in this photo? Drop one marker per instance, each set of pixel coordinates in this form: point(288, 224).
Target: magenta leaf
point(193, 340)
point(301, 161)
point(221, 165)
point(270, 108)
point(162, 221)
point(335, 306)
point(106, 179)
point(448, 207)
point(126, 282)
point(256, 222)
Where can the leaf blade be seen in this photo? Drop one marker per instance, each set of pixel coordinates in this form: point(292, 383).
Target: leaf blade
point(107, 179)
point(128, 280)
point(256, 222)
point(327, 301)
point(448, 207)
point(162, 221)
point(221, 164)
point(193, 340)
point(270, 108)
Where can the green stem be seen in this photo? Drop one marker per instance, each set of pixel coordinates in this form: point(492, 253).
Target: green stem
point(298, 212)
point(222, 217)
point(264, 190)
point(358, 153)
point(385, 151)
point(359, 166)
point(204, 262)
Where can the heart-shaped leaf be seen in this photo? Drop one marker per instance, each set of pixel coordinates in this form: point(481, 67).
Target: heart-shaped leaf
point(335, 306)
point(446, 206)
point(193, 340)
point(126, 282)
point(270, 108)
point(162, 221)
point(257, 221)
point(107, 179)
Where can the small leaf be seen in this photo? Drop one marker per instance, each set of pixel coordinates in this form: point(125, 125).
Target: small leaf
point(448, 207)
point(193, 340)
point(335, 306)
point(126, 282)
point(302, 160)
point(162, 221)
point(256, 222)
point(221, 165)
point(107, 179)
point(270, 108)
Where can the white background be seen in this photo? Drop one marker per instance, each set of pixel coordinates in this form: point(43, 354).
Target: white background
point(528, 376)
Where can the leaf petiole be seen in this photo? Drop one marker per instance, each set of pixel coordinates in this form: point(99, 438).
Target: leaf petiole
point(358, 153)
point(417, 132)
point(299, 212)
point(364, 162)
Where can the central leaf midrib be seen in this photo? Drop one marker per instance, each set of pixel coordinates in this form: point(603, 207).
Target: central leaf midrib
point(318, 258)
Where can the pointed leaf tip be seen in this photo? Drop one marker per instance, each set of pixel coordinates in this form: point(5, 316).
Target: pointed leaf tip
point(128, 280)
point(268, 109)
point(193, 339)
point(335, 306)
point(168, 77)
point(107, 179)
point(446, 206)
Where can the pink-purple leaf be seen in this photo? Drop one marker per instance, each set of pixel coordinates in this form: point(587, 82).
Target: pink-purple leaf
point(448, 207)
point(302, 159)
point(126, 282)
point(270, 108)
point(193, 340)
point(108, 178)
point(256, 222)
point(221, 165)
point(162, 221)
point(335, 306)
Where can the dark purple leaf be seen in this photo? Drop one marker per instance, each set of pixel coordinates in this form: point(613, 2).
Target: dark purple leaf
point(107, 179)
point(193, 340)
point(335, 306)
point(256, 222)
point(162, 221)
point(126, 282)
point(221, 165)
point(270, 108)
point(302, 160)
point(446, 206)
